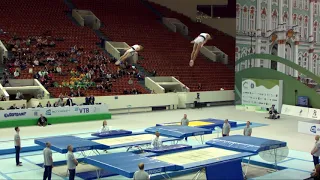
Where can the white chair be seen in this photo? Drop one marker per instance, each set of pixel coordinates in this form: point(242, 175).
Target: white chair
point(218, 130)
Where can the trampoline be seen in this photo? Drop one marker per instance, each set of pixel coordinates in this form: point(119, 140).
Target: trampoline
point(60, 144)
point(203, 123)
point(180, 131)
point(250, 144)
point(133, 140)
point(125, 164)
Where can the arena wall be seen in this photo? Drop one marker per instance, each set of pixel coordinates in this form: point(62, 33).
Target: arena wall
point(189, 8)
point(55, 120)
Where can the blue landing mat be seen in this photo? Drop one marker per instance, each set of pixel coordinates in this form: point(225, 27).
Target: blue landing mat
point(93, 174)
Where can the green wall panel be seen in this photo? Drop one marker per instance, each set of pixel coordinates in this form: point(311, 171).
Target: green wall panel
point(55, 120)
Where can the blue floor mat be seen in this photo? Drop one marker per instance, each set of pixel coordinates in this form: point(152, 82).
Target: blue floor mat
point(93, 174)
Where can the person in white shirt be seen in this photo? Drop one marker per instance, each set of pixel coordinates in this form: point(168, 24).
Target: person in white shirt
point(58, 69)
point(36, 62)
point(156, 142)
point(72, 163)
point(129, 52)
point(48, 162)
point(16, 74)
point(247, 130)
point(19, 95)
point(198, 43)
point(316, 151)
point(226, 128)
point(17, 145)
point(104, 127)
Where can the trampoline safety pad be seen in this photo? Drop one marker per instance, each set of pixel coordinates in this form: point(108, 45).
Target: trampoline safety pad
point(126, 139)
point(193, 156)
point(192, 123)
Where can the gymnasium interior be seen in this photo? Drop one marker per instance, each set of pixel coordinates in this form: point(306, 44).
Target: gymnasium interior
point(58, 62)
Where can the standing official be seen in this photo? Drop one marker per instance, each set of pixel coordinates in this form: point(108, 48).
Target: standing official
point(48, 162)
point(141, 174)
point(17, 145)
point(72, 163)
point(316, 151)
point(185, 122)
point(156, 142)
point(226, 128)
point(247, 130)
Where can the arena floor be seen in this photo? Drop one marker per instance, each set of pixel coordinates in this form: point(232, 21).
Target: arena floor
point(284, 129)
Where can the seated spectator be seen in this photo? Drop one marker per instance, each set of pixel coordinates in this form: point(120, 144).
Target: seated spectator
point(58, 69)
point(69, 102)
point(87, 100)
point(23, 106)
point(104, 127)
point(16, 74)
point(13, 107)
point(134, 91)
point(19, 95)
point(48, 104)
point(3, 98)
point(55, 104)
point(125, 91)
point(199, 86)
point(60, 101)
point(92, 99)
point(52, 44)
point(79, 93)
point(152, 92)
point(130, 82)
point(72, 94)
point(39, 105)
point(36, 62)
point(42, 121)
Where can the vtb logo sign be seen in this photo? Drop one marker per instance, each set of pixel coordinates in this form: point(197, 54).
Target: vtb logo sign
point(84, 110)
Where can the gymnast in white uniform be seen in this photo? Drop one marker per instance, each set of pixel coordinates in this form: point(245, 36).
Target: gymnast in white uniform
point(156, 142)
point(129, 53)
point(198, 43)
point(104, 127)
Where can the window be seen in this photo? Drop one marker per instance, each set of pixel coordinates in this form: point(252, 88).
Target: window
point(315, 31)
point(245, 19)
point(261, 63)
point(252, 19)
point(314, 63)
point(306, 4)
point(274, 19)
point(300, 4)
point(305, 31)
point(285, 2)
point(315, 8)
point(300, 21)
point(285, 17)
point(274, 22)
point(294, 4)
point(263, 23)
point(300, 60)
point(295, 20)
point(238, 15)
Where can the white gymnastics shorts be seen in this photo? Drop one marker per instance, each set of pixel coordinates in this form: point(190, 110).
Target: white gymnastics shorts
point(198, 40)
